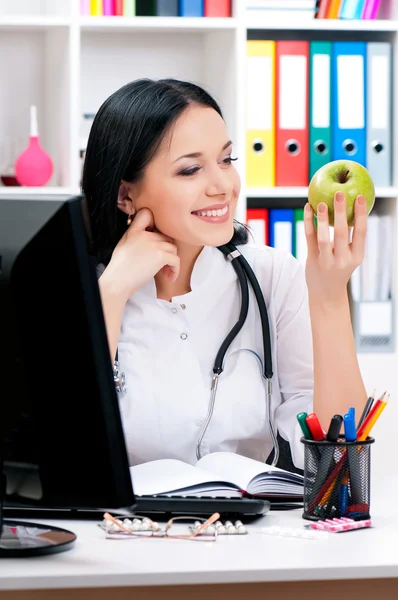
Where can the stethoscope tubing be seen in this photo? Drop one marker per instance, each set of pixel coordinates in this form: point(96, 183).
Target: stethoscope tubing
point(244, 273)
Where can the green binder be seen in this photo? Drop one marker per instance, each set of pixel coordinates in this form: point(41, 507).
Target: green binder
point(299, 239)
point(320, 138)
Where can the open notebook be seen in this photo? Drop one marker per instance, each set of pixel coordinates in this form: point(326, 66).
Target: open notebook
point(216, 474)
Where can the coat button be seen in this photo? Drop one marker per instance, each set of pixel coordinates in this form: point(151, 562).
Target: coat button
point(174, 310)
point(183, 336)
point(183, 306)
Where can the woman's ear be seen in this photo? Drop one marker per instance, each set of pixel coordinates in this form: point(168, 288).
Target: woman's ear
point(124, 202)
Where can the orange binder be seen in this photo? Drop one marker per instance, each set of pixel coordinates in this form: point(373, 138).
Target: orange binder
point(333, 9)
point(292, 60)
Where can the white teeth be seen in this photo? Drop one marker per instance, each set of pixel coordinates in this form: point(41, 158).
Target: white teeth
point(213, 213)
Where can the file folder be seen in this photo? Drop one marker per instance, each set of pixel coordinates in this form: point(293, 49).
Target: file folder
point(257, 220)
point(96, 8)
point(166, 8)
point(260, 113)
point(145, 8)
point(333, 9)
point(349, 101)
point(386, 250)
point(374, 325)
point(300, 248)
point(119, 8)
point(129, 8)
point(323, 7)
point(281, 228)
point(320, 146)
point(370, 265)
point(370, 9)
point(292, 59)
point(217, 8)
point(379, 109)
point(191, 8)
point(351, 9)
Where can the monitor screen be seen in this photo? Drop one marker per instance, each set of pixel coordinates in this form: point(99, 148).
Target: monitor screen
point(62, 441)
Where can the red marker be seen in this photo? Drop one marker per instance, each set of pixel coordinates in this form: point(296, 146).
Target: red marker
point(315, 427)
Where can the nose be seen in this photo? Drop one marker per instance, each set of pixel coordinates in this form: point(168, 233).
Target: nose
point(219, 182)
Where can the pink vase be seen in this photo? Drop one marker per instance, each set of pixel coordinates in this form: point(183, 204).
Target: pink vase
point(34, 166)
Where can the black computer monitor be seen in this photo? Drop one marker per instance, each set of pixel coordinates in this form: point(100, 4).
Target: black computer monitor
point(61, 438)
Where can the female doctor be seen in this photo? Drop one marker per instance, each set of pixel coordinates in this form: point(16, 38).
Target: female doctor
point(162, 190)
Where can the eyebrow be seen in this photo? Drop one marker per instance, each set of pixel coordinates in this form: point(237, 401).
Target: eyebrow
point(197, 154)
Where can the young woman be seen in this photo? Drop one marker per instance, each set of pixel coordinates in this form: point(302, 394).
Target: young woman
point(162, 190)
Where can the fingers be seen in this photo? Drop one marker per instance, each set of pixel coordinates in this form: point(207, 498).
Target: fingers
point(171, 267)
point(341, 230)
point(359, 234)
point(142, 220)
point(324, 245)
point(310, 231)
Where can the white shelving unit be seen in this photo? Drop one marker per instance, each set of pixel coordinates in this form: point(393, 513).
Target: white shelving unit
point(67, 65)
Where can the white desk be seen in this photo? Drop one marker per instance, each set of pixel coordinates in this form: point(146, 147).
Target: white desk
point(252, 566)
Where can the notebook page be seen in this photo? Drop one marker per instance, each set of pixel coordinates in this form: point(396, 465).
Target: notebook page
point(166, 476)
point(245, 471)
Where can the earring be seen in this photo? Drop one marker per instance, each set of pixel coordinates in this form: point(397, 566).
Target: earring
point(129, 220)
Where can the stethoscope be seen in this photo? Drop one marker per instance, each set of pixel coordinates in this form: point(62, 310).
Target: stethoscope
point(245, 273)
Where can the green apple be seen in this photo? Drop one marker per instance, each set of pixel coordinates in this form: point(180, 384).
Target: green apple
point(345, 176)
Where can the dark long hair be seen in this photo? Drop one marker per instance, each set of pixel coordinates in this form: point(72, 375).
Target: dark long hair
point(125, 135)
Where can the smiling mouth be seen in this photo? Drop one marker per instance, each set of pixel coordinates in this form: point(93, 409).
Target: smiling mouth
point(219, 212)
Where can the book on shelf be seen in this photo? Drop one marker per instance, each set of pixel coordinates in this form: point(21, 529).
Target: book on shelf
point(216, 474)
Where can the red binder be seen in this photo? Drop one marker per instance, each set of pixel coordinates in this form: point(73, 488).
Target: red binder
point(257, 220)
point(217, 8)
point(292, 60)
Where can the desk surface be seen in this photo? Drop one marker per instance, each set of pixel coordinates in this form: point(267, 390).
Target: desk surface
point(97, 562)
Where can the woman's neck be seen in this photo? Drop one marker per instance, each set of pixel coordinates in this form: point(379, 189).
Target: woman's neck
point(165, 288)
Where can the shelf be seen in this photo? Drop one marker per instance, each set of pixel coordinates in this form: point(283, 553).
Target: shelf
point(301, 192)
point(149, 24)
point(323, 25)
point(39, 23)
point(11, 191)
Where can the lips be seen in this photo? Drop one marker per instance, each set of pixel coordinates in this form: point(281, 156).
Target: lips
point(213, 207)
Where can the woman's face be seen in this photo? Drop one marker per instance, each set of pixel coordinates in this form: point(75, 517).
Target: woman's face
point(191, 186)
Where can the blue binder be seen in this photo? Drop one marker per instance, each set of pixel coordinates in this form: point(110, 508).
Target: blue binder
point(191, 8)
point(281, 229)
point(349, 101)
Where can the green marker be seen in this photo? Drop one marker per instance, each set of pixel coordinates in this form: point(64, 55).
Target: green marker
point(303, 424)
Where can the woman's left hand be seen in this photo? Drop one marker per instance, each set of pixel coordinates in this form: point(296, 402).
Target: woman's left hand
point(330, 264)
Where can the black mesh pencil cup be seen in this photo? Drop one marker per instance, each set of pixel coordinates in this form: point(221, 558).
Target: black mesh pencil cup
point(336, 479)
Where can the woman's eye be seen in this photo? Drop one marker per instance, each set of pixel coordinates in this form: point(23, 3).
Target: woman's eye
point(190, 171)
point(228, 160)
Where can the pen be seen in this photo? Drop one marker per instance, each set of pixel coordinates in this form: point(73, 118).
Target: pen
point(350, 435)
point(370, 416)
point(369, 422)
point(366, 409)
point(315, 427)
point(343, 496)
point(334, 428)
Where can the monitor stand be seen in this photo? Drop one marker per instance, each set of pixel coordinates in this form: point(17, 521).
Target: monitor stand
point(25, 538)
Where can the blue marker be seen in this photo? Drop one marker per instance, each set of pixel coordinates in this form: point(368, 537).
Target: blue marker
point(350, 432)
point(343, 499)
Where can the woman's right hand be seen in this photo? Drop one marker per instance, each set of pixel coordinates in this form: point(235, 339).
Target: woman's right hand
point(139, 255)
